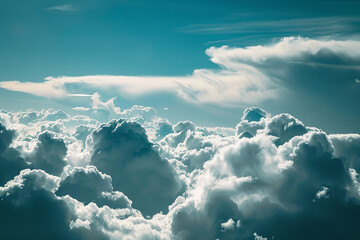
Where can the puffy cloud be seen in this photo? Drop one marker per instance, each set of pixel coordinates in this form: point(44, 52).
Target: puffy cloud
point(146, 113)
point(108, 106)
point(55, 116)
point(300, 181)
point(43, 115)
point(230, 225)
point(89, 185)
point(115, 223)
point(192, 145)
point(323, 193)
point(163, 128)
point(122, 150)
point(31, 210)
point(49, 154)
point(284, 126)
point(180, 132)
point(6, 137)
point(347, 148)
point(85, 184)
point(252, 120)
point(82, 131)
point(285, 181)
point(253, 114)
point(11, 162)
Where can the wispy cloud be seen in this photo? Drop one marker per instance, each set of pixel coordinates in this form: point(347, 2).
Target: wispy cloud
point(244, 77)
point(62, 8)
point(318, 26)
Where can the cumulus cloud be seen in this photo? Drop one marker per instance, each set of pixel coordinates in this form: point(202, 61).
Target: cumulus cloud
point(31, 210)
point(11, 162)
point(285, 180)
point(251, 121)
point(49, 154)
point(122, 150)
point(89, 185)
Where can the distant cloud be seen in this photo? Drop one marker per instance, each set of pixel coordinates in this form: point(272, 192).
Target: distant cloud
point(247, 76)
point(62, 8)
point(318, 26)
point(84, 109)
point(357, 80)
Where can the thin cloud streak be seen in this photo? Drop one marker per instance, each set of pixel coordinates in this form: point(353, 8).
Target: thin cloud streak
point(63, 8)
point(318, 26)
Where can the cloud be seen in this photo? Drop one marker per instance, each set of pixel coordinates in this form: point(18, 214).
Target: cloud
point(252, 120)
point(253, 114)
point(247, 76)
point(62, 8)
point(323, 193)
point(230, 225)
point(347, 148)
point(284, 126)
point(89, 185)
point(31, 210)
point(85, 184)
point(108, 106)
point(11, 162)
point(122, 150)
point(163, 128)
point(290, 49)
point(285, 181)
point(278, 194)
point(83, 109)
point(49, 154)
point(314, 26)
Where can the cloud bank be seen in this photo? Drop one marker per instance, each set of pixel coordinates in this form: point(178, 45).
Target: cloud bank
point(247, 76)
point(142, 177)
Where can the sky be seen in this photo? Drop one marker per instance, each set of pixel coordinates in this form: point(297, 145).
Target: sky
point(166, 39)
point(179, 120)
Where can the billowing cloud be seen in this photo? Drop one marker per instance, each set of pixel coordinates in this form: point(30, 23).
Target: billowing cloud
point(285, 180)
point(49, 154)
point(122, 150)
point(11, 162)
point(31, 210)
point(89, 185)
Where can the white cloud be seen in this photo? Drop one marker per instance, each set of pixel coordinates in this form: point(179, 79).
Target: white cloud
point(241, 80)
point(82, 109)
point(258, 237)
point(323, 193)
point(288, 49)
point(242, 188)
point(229, 225)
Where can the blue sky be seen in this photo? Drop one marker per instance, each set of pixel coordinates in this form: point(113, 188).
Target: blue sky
point(169, 39)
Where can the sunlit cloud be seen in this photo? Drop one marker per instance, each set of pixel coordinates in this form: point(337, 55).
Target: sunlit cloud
point(244, 76)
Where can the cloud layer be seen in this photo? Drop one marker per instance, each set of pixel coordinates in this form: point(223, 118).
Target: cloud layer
point(247, 75)
point(143, 177)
